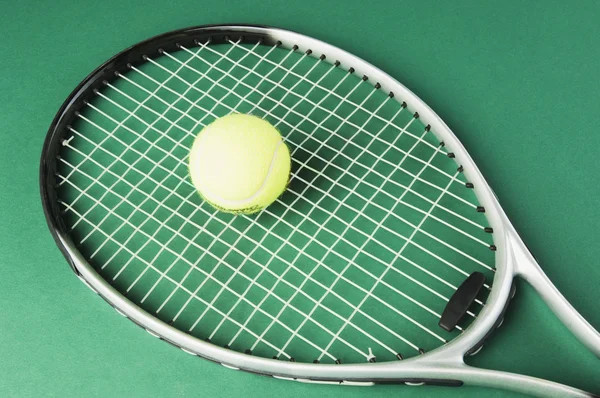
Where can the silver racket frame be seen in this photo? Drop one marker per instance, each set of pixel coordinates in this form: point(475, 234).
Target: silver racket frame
point(442, 366)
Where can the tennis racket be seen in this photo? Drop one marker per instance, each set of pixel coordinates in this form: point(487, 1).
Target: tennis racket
point(387, 260)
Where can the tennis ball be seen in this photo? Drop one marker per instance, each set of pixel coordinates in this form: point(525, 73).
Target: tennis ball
point(239, 164)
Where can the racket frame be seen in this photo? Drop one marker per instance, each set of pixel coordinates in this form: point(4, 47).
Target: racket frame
point(442, 366)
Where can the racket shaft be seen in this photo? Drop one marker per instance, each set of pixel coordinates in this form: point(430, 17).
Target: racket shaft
point(528, 269)
point(518, 383)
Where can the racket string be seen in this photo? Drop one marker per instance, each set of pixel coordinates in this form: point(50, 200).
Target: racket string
point(269, 232)
point(179, 285)
point(72, 209)
point(130, 166)
point(329, 289)
point(280, 120)
point(402, 237)
point(369, 169)
point(296, 113)
point(433, 237)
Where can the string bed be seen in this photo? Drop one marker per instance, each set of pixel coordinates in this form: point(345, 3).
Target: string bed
point(354, 263)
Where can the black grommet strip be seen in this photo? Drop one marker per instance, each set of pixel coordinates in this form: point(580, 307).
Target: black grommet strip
point(338, 362)
point(278, 43)
point(275, 357)
point(372, 359)
point(469, 185)
point(226, 346)
point(316, 361)
point(403, 104)
point(493, 248)
point(295, 47)
point(460, 169)
point(451, 155)
point(322, 57)
point(489, 230)
point(351, 70)
point(416, 115)
point(308, 52)
point(365, 78)
point(399, 356)
point(391, 94)
point(248, 351)
point(336, 63)
point(480, 209)
point(428, 127)
point(377, 86)
point(421, 351)
point(292, 359)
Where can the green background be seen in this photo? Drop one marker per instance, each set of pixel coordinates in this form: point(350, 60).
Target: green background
point(517, 82)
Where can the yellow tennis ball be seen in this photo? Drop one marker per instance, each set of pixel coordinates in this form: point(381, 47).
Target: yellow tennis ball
point(240, 164)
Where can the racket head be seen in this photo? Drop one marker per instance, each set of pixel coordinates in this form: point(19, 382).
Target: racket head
point(415, 369)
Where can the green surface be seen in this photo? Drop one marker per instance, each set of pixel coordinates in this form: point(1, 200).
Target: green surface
point(517, 83)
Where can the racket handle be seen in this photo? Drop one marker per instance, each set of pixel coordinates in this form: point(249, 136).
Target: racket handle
point(528, 269)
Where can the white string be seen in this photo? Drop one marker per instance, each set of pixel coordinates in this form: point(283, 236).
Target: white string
point(300, 252)
point(370, 169)
point(167, 277)
point(111, 134)
point(257, 263)
point(228, 226)
point(144, 176)
point(320, 125)
point(237, 240)
point(338, 96)
point(288, 207)
point(198, 269)
point(355, 106)
point(187, 219)
point(268, 112)
point(199, 122)
point(231, 247)
point(428, 234)
point(378, 280)
point(391, 231)
point(366, 150)
point(377, 259)
point(361, 211)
